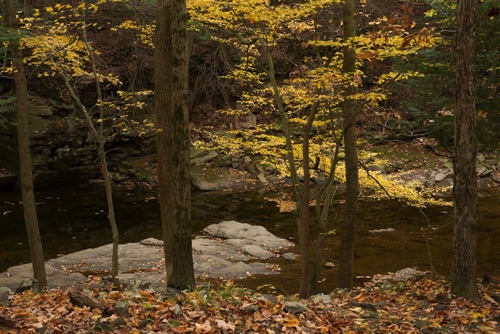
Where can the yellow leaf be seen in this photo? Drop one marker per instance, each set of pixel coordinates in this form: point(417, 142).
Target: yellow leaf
point(294, 322)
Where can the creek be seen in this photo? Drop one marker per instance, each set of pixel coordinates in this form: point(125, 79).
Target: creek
point(72, 219)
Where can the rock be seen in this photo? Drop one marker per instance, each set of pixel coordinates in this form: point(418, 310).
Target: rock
point(152, 242)
point(5, 294)
point(408, 273)
point(289, 256)
point(399, 276)
point(56, 277)
point(208, 179)
point(118, 322)
point(294, 307)
point(214, 248)
point(177, 310)
point(440, 307)
point(62, 279)
point(239, 257)
point(256, 234)
point(237, 270)
point(237, 242)
point(483, 171)
point(389, 229)
point(144, 176)
point(329, 265)
point(440, 176)
point(321, 299)
point(118, 178)
point(245, 121)
point(144, 323)
point(250, 309)
point(28, 284)
point(257, 251)
point(121, 307)
point(39, 107)
point(195, 152)
point(139, 262)
point(104, 327)
point(201, 159)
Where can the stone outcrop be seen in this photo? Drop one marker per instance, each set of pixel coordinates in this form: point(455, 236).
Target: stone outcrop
point(232, 250)
point(63, 150)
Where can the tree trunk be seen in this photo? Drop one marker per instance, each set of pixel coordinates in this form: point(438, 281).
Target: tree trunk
point(301, 194)
point(348, 230)
point(464, 163)
point(102, 157)
point(171, 101)
point(309, 273)
point(23, 136)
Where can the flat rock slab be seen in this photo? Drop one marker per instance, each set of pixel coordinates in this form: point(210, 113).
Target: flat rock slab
point(247, 234)
point(232, 250)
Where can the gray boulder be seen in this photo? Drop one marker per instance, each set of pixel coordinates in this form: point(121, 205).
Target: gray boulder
point(256, 235)
point(295, 307)
point(5, 294)
point(257, 251)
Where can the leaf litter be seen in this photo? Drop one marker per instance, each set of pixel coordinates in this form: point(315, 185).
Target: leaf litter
point(422, 306)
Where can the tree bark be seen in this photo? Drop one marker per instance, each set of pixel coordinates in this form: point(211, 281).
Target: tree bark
point(309, 272)
point(348, 229)
point(102, 157)
point(171, 101)
point(301, 198)
point(81, 299)
point(23, 137)
point(465, 147)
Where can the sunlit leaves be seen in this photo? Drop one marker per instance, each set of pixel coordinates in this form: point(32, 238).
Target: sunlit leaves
point(54, 47)
point(317, 81)
point(144, 31)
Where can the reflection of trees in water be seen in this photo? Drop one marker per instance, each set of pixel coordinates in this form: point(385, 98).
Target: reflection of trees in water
point(71, 220)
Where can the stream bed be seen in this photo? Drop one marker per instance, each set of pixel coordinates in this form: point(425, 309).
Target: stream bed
point(72, 219)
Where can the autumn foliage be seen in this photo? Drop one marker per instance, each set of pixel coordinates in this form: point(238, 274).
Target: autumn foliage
point(423, 306)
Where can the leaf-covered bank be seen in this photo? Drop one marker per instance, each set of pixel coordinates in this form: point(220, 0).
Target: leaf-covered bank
point(422, 306)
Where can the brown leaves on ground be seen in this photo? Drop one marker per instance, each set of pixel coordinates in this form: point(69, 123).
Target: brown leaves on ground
point(425, 306)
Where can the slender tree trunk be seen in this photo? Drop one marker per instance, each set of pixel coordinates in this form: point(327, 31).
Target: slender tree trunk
point(104, 164)
point(465, 180)
point(171, 101)
point(348, 230)
point(23, 137)
point(301, 193)
point(309, 275)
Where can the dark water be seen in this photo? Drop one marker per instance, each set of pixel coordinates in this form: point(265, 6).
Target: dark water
point(75, 218)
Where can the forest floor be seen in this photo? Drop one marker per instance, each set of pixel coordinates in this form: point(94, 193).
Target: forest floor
point(421, 306)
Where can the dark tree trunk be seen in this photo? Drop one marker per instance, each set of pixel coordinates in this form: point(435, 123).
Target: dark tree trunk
point(171, 92)
point(348, 230)
point(309, 273)
point(23, 137)
point(465, 181)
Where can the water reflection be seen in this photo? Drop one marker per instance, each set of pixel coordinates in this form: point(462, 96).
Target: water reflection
point(74, 219)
